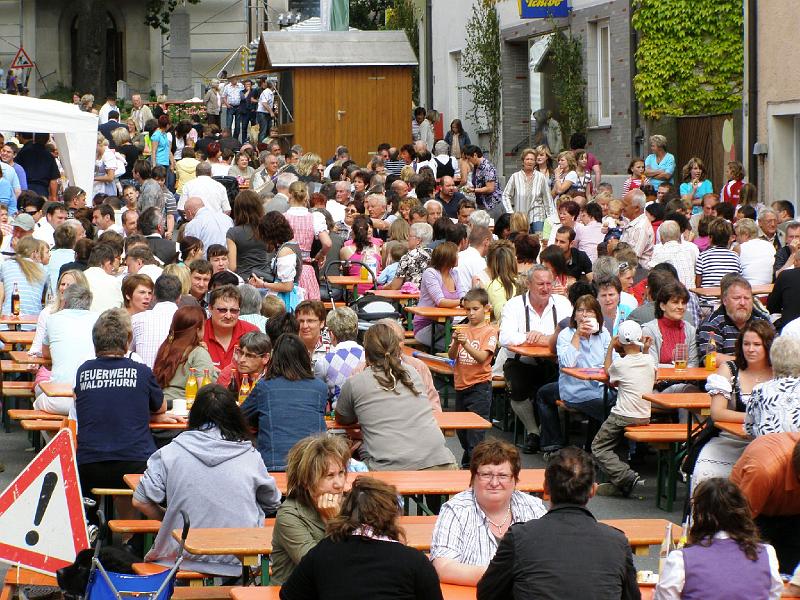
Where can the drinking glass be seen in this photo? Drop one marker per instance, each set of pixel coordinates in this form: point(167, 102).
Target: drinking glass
point(680, 356)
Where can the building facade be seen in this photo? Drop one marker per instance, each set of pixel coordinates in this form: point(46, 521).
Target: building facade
point(772, 108)
point(530, 109)
point(136, 53)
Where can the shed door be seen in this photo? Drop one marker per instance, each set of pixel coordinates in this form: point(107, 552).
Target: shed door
point(357, 110)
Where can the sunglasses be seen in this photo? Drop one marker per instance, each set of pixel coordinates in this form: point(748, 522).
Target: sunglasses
point(223, 311)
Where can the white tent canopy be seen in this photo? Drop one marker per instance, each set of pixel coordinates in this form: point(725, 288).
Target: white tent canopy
point(75, 132)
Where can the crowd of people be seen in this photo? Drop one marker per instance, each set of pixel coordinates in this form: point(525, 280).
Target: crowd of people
point(201, 254)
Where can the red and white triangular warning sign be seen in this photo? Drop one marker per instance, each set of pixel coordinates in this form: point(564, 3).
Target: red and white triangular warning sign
point(21, 60)
point(42, 524)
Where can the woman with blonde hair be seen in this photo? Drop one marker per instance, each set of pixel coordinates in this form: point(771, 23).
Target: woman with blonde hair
point(309, 167)
point(27, 275)
point(527, 191)
point(565, 175)
point(307, 227)
point(518, 223)
point(364, 551)
point(105, 166)
point(388, 401)
point(181, 271)
point(501, 266)
point(316, 474)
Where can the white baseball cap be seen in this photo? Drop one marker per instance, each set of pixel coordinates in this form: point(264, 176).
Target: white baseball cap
point(630, 332)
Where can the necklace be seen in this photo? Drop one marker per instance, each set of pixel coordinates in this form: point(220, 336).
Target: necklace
point(503, 523)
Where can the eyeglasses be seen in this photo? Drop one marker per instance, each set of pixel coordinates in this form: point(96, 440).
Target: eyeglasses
point(222, 311)
point(239, 353)
point(623, 266)
point(351, 211)
point(501, 477)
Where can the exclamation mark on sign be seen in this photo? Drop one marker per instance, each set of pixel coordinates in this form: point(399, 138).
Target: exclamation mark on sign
point(48, 485)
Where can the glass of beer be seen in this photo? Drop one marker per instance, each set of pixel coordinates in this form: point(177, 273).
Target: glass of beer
point(680, 356)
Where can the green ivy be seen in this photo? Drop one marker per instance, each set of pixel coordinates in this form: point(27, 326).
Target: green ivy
point(690, 56)
point(480, 61)
point(569, 85)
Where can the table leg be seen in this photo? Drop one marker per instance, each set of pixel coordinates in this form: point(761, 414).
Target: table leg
point(448, 333)
point(264, 569)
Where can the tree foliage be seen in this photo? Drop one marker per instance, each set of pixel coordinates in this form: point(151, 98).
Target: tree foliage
point(158, 13)
point(480, 61)
point(690, 56)
point(368, 15)
point(403, 14)
point(569, 85)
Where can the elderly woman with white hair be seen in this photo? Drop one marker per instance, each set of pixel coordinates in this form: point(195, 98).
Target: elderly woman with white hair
point(774, 406)
point(675, 251)
point(755, 255)
point(434, 210)
point(250, 306)
point(346, 355)
point(659, 164)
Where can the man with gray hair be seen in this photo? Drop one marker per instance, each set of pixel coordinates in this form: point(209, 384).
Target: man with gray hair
point(674, 251)
point(280, 201)
point(150, 327)
point(213, 193)
point(442, 163)
point(209, 226)
point(768, 223)
point(434, 211)
point(68, 343)
point(346, 355)
point(531, 319)
point(639, 231)
point(415, 261)
point(335, 206)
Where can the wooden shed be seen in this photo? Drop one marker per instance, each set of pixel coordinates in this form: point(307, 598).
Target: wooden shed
point(350, 88)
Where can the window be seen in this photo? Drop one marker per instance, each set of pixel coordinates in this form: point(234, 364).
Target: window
point(600, 73)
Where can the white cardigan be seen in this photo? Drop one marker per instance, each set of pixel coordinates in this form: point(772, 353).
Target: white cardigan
point(514, 195)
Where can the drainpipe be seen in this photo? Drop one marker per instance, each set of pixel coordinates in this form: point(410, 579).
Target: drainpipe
point(751, 103)
point(429, 54)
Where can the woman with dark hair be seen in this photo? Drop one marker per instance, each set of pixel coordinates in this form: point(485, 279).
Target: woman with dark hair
point(457, 138)
point(214, 455)
point(363, 249)
point(182, 351)
point(583, 344)
point(724, 557)
point(527, 248)
point(668, 329)
point(287, 260)
point(609, 294)
point(289, 405)
point(439, 286)
point(553, 258)
point(247, 250)
point(388, 400)
point(364, 554)
point(219, 168)
point(137, 293)
point(185, 137)
point(730, 389)
point(191, 249)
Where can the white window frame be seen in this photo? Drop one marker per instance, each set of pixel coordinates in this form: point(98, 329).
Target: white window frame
point(603, 63)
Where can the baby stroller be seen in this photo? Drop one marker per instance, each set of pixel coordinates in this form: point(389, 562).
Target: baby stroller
point(105, 585)
point(368, 308)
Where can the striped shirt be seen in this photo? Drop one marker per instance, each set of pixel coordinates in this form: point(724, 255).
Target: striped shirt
point(30, 294)
point(639, 234)
point(462, 530)
point(713, 264)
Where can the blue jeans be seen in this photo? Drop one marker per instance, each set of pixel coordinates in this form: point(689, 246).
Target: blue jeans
point(231, 114)
point(264, 121)
point(552, 436)
point(478, 399)
point(537, 227)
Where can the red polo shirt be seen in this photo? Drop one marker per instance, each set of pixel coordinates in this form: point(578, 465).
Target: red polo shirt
point(219, 355)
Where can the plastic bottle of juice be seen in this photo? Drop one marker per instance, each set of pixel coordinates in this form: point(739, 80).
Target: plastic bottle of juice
point(244, 389)
point(191, 388)
point(711, 356)
point(206, 378)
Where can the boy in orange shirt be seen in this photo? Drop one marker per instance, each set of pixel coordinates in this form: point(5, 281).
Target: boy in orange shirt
point(472, 348)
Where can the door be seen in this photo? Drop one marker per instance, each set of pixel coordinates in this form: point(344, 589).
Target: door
point(356, 111)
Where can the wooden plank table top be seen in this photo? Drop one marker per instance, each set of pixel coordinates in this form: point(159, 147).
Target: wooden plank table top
point(446, 420)
point(663, 374)
point(758, 290)
point(394, 295)
point(699, 402)
point(11, 320)
point(736, 429)
point(23, 358)
point(17, 337)
point(53, 389)
point(436, 313)
point(412, 482)
point(18, 414)
point(348, 280)
point(432, 362)
point(531, 351)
